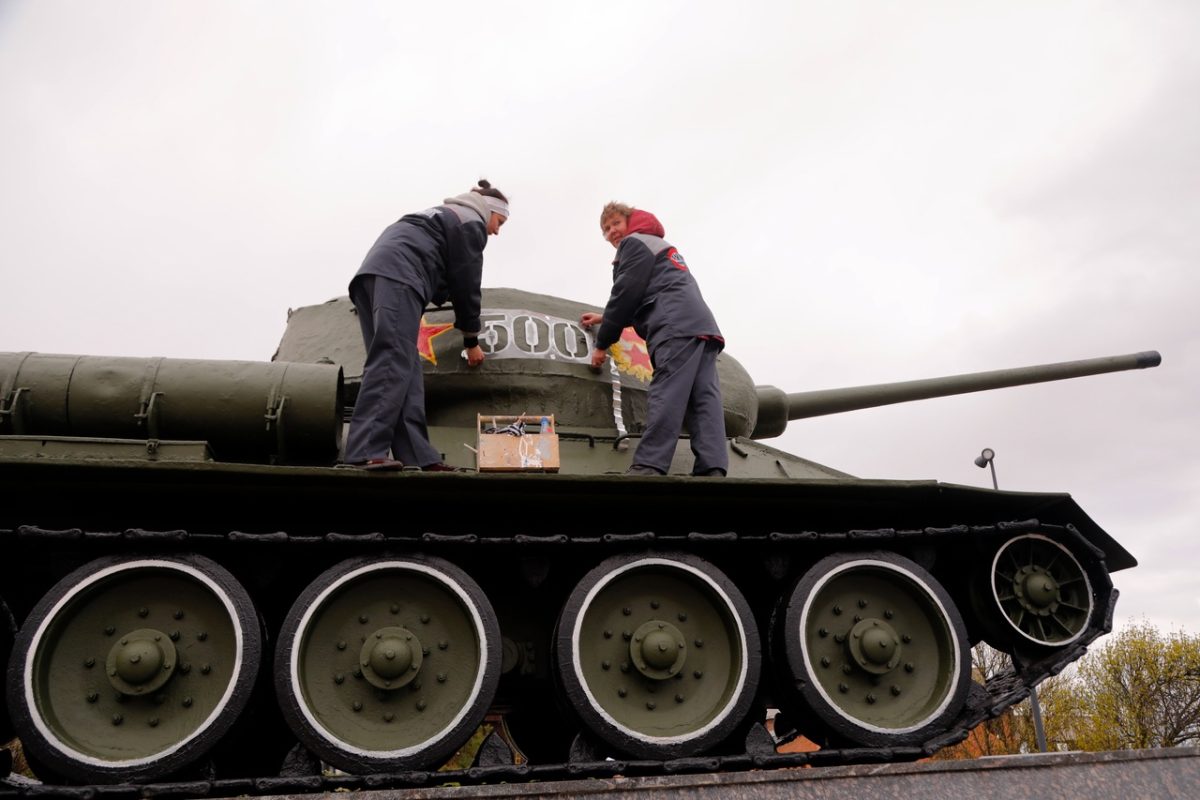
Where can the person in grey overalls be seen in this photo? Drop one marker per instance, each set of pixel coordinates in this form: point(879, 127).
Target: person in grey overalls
point(423, 258)
point(654, 291)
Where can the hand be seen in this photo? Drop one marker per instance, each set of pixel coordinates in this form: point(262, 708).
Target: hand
point(590, 318)
point(598, 357)
point(474, 356)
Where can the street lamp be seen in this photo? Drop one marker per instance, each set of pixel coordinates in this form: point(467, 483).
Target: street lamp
point(987, 458)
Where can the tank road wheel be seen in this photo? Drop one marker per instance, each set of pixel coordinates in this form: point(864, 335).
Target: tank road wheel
point(659, 654)
point(876, 649)
point(8, 632)
point(132, 668)
point(387, 664)
point(1037, 594)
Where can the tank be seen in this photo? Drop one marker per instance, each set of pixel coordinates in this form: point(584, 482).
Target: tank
point(197, 595)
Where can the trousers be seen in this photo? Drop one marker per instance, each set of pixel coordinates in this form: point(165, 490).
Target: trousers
point(390, 411)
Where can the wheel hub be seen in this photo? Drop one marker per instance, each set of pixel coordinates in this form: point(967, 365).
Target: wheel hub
point(658, 650)
point(1037, 589)
point(875, 646)
point(391, 657)
point(140, 661)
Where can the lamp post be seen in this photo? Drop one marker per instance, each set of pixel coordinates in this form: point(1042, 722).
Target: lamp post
point(987, 458)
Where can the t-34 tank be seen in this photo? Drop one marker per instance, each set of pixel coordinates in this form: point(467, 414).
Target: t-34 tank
point(201, 592)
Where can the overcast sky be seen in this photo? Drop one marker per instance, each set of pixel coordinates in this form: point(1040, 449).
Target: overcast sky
point(866, 192)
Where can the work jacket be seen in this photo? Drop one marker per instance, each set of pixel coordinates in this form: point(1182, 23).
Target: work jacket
point(653, 290)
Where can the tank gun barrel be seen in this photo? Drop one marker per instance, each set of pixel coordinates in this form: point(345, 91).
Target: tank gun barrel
point(777, 408)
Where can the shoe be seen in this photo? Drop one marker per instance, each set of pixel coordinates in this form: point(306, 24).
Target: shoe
point(376, 464)
point(442, 466)
point(715, 472)
point(642, 469)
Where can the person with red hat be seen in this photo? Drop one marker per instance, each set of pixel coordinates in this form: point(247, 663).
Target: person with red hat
point(655, 292)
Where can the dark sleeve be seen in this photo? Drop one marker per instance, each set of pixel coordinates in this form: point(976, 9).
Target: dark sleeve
point(464, 275)
point(632, 276)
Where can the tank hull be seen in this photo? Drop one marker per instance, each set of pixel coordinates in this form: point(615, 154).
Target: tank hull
point(527, 540)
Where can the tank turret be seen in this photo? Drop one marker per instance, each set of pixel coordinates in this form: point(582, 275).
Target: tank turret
point(199, 594)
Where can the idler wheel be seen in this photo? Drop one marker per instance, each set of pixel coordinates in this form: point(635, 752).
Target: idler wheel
point(659, 654)
point(131, 668)
point(1038, 593)
point(388, 664)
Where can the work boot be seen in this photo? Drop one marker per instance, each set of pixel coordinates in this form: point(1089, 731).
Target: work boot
point(442, 466)
point(715, 472)
point(642, 469)
point(376, 464)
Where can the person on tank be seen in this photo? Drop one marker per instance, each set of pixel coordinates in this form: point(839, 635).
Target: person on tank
point(424, 257)
point(655, 292)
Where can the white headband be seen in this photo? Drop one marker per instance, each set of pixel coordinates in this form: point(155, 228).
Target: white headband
point(496, 205)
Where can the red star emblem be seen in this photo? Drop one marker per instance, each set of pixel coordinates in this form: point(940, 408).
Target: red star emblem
point(632, 356)
point(425, 338)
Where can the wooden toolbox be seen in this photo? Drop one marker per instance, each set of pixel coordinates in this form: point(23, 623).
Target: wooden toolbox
point(501, 451)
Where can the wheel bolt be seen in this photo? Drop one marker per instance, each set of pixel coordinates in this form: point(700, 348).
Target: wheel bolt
point(895, 691)
point(626, 635)
point(117, 719)
point(699, 643)
point(395, 609)
point(187, 702)
point(678, 698)
point(143, 612)
point(420, 705)
point(825, 661)
point(847, 669)
point(650, 705)
point(858, 618)
point(110, 630)
point(822, 632)
point(608, 634)
point(89, 663)
point(174, 636)
point(178, 614)
point(683, 616)
point(906, 638)
point(441, 677)
point(627, 611)
point(697, 674)
point(341, 645)
point(185, 668)
point(153, 722)
point(339, 679)
point(93, 697)
point(843, 688)
point(624, 666)
point(909, 667)
point(654, 604)
point(888, 614)
point(389, 716)
point(839, 637)
point(837, 609)
point(205, 668)
point(362, 618)
point(871, 699)
point(202, 635)
point(605, 665)
point(443, 644)
point(621, 692)
point(862, 603)
point(357, 705)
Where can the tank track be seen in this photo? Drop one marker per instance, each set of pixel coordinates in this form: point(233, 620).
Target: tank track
point(586, 759)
